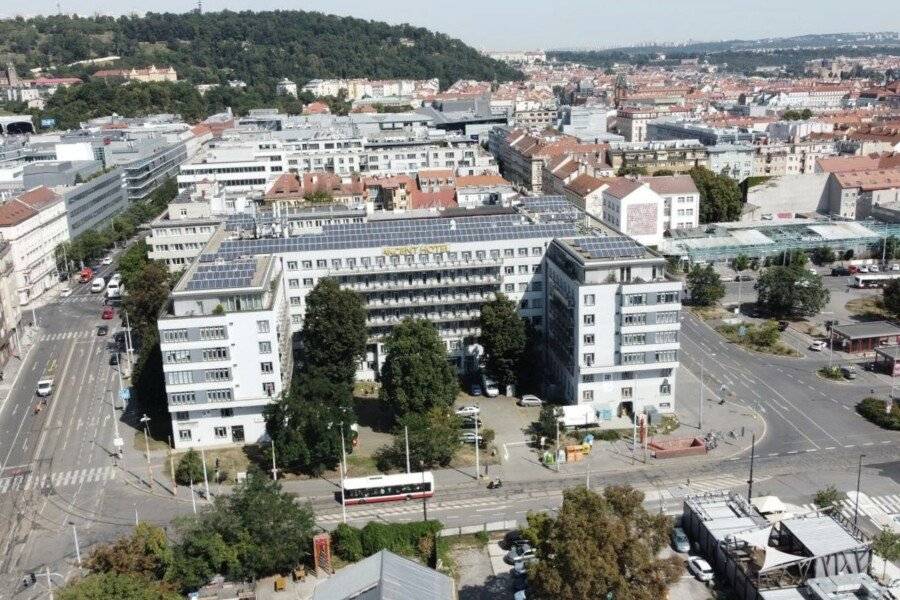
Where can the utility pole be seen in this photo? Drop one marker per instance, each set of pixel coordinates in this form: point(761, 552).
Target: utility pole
point(129, 348)
point(556, 458)
point(136, 520)
point(118, 443)
point(274, 470)
point(77, 549)
point(700, 391)
point(343, 476)
point(424, 497)
point(477, 465)
point(205, 480)
point(633, 435)
point(406, 437)
point(752, 456)
point(193, 497)
point(145, 419)
point(858, 481)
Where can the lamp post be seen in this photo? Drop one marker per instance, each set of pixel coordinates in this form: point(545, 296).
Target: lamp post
point(145, 420)
point(424, 497)
point(343, 475)
point(77, 549)
point(858, 481)
point(700, 390)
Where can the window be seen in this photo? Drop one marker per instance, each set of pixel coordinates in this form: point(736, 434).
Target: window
point(307, 264)
point(182, 398)
point(293, 283)
point(266, 367)
point(262, 327)
point(589, 299)
point(523, 287)
point(182, 415)
point(523, 251)
point(226, 412)
point(523, 269)
point(295, 301)
point(321, 263)
point(536, 251)
point(632, 339)
point(588, 359)
point(220, 432)
point(268, 388)
point(509, 270)
point(634, 319)
point(265, 347)
point(627, 392)
point(218, 395)
point(666, 337)
point(588, 339)
point(213, 333)
point(509, 252)
point(633, 358)
point(307, 282)
point(665, 388)
point(666, 356)
point(184, 435)
point(509, 287)
point(588, 319)
point(292, 265)
point(217, 374)
point(215, 354)
point(667, 297)
point(175, 335)
point(587, 395)
point(176, 356)
point(634, 299)
point(179, 377)
point(666, 317)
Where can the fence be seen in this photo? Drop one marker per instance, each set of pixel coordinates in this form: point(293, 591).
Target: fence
point(485, 527)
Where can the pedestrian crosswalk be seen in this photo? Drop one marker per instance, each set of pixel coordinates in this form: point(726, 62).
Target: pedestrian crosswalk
point(78, 299)
point(32, 481)
point(60, 336)
point(887, 503)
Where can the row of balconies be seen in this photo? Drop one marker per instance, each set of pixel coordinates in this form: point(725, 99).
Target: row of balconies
point(457, 331)
point(433, 316)
point(424, 267)
point(417, 284)
point(460, 298)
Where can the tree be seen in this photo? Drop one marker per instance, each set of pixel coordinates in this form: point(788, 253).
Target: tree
point(416, 375)
point(720, 196)
point(886, 545)
point(663, 173)
point(891, 296)
point(433, 440)
point(823, 255)
point(102, 586)
point(887, 247)
point(145, 553)
point(305, 423)
point(132, 262)
point(531, 366)
point(828, 498)
point(503, 338)
point(148, 292)
point(318, 197)
point(631, 170)
point(705, 285)
point(255, 531)
point(791, 290)
point(740, 264)
point(603, 546)
point(190, 468)
point(546, 425)
point(334, 331)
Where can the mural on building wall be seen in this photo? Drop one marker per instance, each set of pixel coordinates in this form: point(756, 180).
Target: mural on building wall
point(641, 219)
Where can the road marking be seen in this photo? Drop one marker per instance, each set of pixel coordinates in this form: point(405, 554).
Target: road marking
point(887, 442)
point(811, 450)
point(850, 446)
point(792, 452)
point(830, 448)
point(869, 444)
point(773, 454)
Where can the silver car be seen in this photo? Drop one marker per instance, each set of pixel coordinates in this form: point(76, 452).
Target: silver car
point(529, 400)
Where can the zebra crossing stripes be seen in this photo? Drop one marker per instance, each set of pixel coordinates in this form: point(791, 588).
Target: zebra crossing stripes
point(59, 479)
point(68, 335)
point(889, 503)
point(77, 299)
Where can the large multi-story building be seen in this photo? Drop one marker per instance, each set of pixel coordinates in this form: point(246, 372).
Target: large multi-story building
point(735, 160)
point(225, 341)
point(612, 325)
point(674, 155)
point(782, 158)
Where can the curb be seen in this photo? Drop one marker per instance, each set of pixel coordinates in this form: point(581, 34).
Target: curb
point(15, 380)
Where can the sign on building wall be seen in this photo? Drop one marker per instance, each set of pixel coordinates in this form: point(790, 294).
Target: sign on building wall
point(641, 219)
point(421, 249)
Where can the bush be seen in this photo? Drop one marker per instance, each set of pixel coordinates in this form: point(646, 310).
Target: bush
point(831, 373)
point(765, 335)
point(875, 410)
point(347, 543)
point(190, 468)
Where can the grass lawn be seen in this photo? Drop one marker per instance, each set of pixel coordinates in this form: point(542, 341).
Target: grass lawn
point(731, 333)
point(870, 307)
point(710, 313)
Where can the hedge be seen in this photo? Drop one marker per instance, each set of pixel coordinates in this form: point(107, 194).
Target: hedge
point(874, 409)
point(406, 539)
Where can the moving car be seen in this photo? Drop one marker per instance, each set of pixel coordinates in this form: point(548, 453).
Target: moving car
point(840, 271)
point(103, 330)
point(848, 371)
point(529, 400)
point(700, 568)
point(874, 269)
point(680, 541)
point(98, 285)
point(469, 437)
point(107, 260)
point(108, 313)
point(114, 359)
point(44, 387)
point(468, 411)
point(895, 267)
point(818, 346)
point(65, 292)
point(523, 552)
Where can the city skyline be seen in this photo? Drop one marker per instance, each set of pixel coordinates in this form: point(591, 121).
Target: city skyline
point(560, 26)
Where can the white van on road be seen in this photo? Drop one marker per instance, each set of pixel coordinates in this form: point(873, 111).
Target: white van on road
point(98, 285)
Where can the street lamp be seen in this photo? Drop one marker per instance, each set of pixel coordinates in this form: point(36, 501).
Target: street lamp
point(858, 480)
point(700, 389)
point(145, 420)
point(424, 496)
point(77, 549)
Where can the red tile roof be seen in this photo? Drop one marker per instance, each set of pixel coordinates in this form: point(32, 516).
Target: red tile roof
point(478, 180)
point(440, 199)
point(27, 205)
point(620, 187)
point(585, 184)
point(672, 184)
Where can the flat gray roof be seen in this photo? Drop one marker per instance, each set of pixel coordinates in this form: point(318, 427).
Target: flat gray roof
point(822, 535)
point(386, 576)
point(889, 352)
point(860, 331)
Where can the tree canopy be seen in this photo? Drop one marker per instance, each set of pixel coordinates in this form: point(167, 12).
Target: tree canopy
point(705, 285)
point(145, 553)
point(720, 196)
point(602, 544)
point(791, 290)
point(416, 375)
point(503, 338)
point(102, 586)
point(891, 296)
point(433, 440)
point(334, 331)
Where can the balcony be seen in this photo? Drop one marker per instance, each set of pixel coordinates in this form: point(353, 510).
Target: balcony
point(434, 317)
point(403, 267)
point(439, 300)
point(381, 285)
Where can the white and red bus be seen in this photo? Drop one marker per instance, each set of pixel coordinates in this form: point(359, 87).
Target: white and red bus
point(873, 280)
point(387, 488)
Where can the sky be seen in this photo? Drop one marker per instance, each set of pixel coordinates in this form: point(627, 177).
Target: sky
point(543, 24)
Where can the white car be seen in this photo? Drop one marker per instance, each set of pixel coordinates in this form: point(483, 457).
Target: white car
point(818, 346)
point(469, 437)
point(468, 411)
point(873, 269)
point(529, 400)
point(65, 292)
point(895, 267)
point(700, 568)
point(44, 387)
point(863, 269)
point(106, 261)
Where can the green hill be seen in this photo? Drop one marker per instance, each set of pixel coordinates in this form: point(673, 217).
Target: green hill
point(257, 47)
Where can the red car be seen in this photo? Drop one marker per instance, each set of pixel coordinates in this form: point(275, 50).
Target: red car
point(108, 313)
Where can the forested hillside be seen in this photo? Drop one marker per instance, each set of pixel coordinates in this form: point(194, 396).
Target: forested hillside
point(257, 47)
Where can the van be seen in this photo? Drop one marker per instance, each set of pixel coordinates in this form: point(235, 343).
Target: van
point(98, 285)
point(489, 386)
point(113, 290)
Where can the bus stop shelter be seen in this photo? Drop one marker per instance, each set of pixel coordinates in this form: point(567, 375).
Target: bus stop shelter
point(865, 337)
point(887, 360)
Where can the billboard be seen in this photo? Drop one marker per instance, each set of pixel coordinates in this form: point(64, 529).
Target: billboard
point(48, 122)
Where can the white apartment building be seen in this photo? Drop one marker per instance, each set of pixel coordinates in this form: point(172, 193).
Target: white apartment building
point(632, 207)
point(179, 234)
point(735, 160)
point(681, 200)
point(613, 324)
point(783, 158)
point(225, 342)
point(237, 165)
point(34, 224)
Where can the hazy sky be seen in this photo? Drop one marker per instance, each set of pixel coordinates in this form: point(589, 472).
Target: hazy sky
point(523, 24)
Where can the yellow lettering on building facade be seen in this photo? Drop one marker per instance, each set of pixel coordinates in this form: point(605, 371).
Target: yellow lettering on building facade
point(422, 249)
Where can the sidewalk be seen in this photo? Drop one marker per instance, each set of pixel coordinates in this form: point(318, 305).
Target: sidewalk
point(12, 369)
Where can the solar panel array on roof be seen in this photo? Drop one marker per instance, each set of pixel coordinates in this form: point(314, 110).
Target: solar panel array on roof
point(400, 233)
point(234, 274)
point(609, 247)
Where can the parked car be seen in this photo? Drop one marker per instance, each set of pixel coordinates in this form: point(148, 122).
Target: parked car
point(469, 437)
point(840, 271)
point(895, 267)
point(107, 260)
point(680, 541)
point(700, 568)
point(874, 268)
point(863, 269)
point(490, 387)
point(108, 313)
point(522, 553)
point(468, 411)
point(529, 400)
point(103, 330)
point(475, 390)
point(783, 325)
point(848, 371)
point(512, 538)
point(743, 277)
point(44, 387)
point(818, 346)
point(65, 292)
point(469, 422)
